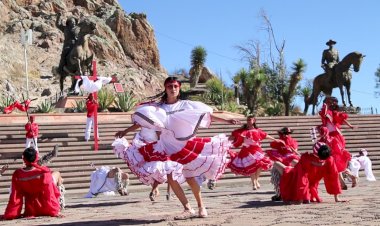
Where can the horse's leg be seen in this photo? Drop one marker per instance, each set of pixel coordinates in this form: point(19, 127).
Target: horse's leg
point(342, 94)
point(61, 81)
point(348, 90)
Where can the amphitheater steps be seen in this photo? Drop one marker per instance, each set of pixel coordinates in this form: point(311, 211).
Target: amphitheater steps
point(76, 155)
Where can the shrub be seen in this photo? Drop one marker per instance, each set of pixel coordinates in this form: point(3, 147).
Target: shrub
point(45, 107)
point(80, 106)
point(5, 102)
point(125, 101)
point(105, 99)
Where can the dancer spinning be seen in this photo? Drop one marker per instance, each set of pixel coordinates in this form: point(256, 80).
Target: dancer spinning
point(151, 170)
point(178, 121)
point(250, 160)
point(285, 149)
point(341, 156)
point(333, 119)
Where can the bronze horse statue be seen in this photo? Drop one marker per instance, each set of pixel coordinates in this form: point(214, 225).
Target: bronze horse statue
point(341, 77)
point(79, 59)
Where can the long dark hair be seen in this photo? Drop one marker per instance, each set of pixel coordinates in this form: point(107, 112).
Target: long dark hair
point(245, 126)
point(165, 95)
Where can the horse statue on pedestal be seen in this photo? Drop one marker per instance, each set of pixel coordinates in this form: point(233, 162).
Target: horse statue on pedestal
point(339, 78)
point(79, 59)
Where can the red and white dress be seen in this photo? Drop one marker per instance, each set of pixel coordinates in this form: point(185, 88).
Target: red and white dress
point(333, 121)
point(282, 152)
point(341, 156)
point(148, 168)
point(251, 157)
point(178, 124)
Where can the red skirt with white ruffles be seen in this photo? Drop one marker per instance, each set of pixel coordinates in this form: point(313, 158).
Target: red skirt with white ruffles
point(249, 160)
point(285, 159)
point(200, 156)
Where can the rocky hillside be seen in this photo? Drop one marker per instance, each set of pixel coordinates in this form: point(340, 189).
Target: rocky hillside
point(124, 45)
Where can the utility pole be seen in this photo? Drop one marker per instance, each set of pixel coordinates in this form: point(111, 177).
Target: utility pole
point(26, 39)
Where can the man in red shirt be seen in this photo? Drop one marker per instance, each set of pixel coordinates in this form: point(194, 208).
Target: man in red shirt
point(91, 106)
point(31, 129)
point(38, 187)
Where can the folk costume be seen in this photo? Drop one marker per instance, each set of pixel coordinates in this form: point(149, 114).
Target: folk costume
point(37, 188)
point(300, 183)
point(284, 150)
point(31, 135)
point(148, 168)
point(178, 124)
point(91, 106)
point(250, 157)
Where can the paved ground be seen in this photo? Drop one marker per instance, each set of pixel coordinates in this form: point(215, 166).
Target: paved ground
point(227, 205)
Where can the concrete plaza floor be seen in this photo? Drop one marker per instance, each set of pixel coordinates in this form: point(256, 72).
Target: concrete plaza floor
point(228, 204)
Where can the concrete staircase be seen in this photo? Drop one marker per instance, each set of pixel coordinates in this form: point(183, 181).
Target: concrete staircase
point(76, 156)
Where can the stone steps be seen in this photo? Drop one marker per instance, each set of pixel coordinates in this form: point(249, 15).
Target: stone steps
point(75, 155)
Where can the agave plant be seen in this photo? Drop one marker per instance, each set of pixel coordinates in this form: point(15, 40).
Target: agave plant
point(105, 99)
point(80, 106)
point(5, 102)
point(125, 101)
point(45, 107)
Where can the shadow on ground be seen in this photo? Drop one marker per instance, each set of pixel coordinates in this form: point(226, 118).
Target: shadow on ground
point(100, 204)
point(259, 204)
point(112, 222)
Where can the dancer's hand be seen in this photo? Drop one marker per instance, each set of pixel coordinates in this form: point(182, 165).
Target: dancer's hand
point(234, 121)
point(3, 168)
point(120, 134)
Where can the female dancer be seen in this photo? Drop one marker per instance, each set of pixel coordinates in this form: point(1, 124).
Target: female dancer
point(251, 159)
point(150, 170)
point(178, 121)
point(285, 149)
point(333, 119)
point(297, 184)
point(341, 156)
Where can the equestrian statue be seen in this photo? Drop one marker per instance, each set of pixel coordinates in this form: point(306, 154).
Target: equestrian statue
point(337, 74)
point(76, 56)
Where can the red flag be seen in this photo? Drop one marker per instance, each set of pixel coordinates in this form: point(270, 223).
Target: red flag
point(20, 106)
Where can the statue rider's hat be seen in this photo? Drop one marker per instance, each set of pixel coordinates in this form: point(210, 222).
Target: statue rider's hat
point(330, 42)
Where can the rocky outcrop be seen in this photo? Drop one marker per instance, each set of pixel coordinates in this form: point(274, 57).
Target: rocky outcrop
point(206, 74)
point(124, 45)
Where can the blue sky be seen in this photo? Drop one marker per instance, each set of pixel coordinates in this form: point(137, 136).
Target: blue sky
point(305, 26)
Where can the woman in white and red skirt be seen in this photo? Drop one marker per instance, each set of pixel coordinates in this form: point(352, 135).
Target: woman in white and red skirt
point(151, 170)
point(285, 149)
point(178, 121)
point(251, 159)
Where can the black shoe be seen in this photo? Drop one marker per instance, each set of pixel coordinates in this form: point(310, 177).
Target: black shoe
point(276, 198)
point(152, 196)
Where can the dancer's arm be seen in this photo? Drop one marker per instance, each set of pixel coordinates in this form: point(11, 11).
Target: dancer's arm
point(132, 128)
point(230, 121)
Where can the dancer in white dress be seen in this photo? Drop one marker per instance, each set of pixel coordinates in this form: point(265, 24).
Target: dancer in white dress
point(178, 121)
point(150, 170)
point(361, 161)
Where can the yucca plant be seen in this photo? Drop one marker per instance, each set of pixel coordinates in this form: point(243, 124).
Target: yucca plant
point(125, 101)
point(80, 106)
point(105, 99)
point(45, 107)
point(5, 102)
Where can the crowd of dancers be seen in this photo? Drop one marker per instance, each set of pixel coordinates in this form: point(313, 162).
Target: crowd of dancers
point(166, 150)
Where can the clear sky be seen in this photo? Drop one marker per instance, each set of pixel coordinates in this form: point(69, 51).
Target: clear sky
point(305, 26)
